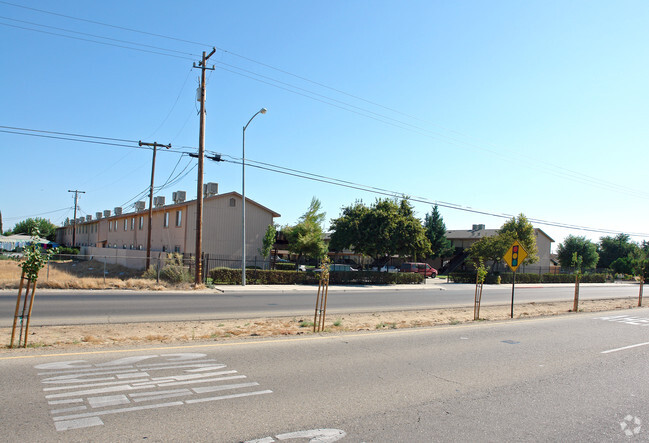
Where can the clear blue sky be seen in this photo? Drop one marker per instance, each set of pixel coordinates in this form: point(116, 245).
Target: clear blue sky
point(535, 107)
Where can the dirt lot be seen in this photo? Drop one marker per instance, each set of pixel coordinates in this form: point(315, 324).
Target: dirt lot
point(82, 337)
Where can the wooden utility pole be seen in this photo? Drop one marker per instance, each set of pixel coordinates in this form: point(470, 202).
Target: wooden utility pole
point(148, 235)
point(201, 153)
point(74, 222)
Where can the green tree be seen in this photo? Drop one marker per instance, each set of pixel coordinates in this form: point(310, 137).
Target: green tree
point(584, 248)
point(494, 248)
point(268, 240)
point(409, 238)
point(440, 246)
point(522, 230)
point(387, 227)
point(490, 249)
point(305, 238)
point(612, 248)
point(46, 228)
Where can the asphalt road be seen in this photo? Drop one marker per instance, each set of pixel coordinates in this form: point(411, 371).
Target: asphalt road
point(61, 307)
point(567, 378)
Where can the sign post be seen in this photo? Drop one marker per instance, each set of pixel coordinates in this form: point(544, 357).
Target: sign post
point(514, 257)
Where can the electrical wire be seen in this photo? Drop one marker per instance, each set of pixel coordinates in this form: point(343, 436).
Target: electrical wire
point(555, 170)
point(396, 194)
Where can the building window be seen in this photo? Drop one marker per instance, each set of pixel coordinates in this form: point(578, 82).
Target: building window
point(177, 248)
point(166, 220)
point(141, 223)
point(110, 226)
point(179, 218)
point(139, 247)
point(126, 224)
point(164, 249)
point(123, 246)
point(233, 202)
point(133, 224)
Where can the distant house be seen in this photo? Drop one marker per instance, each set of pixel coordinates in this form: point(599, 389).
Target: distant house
point(173, 230)
point(19, 241)
point(462, 239)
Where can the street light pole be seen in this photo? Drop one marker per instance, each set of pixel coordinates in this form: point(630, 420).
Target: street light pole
point(243, 199)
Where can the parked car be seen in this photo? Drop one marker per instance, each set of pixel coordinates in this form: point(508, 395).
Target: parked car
point(420, 268)
point(386, 269)
point(337, 267)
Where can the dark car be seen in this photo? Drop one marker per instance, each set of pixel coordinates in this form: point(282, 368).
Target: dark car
point(421, 268)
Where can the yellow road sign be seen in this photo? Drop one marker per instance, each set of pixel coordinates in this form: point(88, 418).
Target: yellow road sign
point(515, 256)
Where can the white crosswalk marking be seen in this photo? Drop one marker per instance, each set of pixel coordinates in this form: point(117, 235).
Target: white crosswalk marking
point(80, 393)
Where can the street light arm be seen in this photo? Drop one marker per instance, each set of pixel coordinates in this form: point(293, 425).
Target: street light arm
point(261, 111)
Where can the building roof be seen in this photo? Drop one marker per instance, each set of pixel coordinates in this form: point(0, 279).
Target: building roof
point(477, 234)
point(175, 205)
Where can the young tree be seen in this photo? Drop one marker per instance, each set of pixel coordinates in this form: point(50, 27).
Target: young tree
point(268, 241)
point(46, 228)
point(584, 248)
point(435, 229)
point(640, 266)
point(305, 238)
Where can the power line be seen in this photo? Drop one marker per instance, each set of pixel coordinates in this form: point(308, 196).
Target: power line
point(21, 217)
point(396, 194)
point(560, 171)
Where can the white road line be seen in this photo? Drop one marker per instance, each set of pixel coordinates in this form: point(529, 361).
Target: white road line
point(206, 368)
point(108, 400)
point(146, 394)
point(83, 378)
point(180, 383)
point(95, 391)
point(625, 347)
point(188, 377)
point(65, 402)
point(226, 397)
point(223, 387)
point(161, 396)
point(73, 409)
point(118, 411)
point(92, 385)
point(76, 424)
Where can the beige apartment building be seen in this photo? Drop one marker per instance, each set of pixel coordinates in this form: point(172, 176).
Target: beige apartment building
point(124, 235)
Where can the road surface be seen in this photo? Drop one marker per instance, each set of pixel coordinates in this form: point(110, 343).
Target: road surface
point(568, 378)
point(61, 307)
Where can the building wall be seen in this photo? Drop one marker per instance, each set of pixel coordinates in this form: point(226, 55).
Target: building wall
point(221, 229)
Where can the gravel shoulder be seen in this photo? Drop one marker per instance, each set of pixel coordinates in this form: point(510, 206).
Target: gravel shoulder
point(84, 337)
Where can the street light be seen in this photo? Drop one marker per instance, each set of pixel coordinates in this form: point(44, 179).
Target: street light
point(243, 200)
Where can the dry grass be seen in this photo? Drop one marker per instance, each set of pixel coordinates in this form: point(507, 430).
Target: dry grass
point(189, 331)
point(71, 274)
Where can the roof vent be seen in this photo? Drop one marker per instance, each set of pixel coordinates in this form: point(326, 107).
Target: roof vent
point(139, 206)
point(210, 189)
point(179, 196)
point(107, 213)
point(98, 215)
point(88, 217)
point(118, 211)
point(158, 201)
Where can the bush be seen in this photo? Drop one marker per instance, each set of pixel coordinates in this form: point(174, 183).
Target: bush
point(283, 267)
point(174, 271)
point(469, 277)
point(277, 277)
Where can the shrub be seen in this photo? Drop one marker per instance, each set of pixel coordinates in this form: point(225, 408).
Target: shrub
point(277, 277)
point(284, 267)
point(174, 271)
